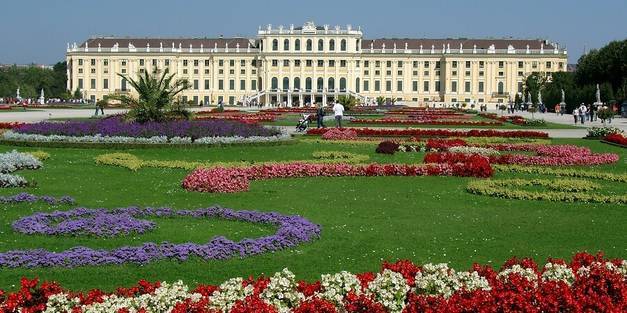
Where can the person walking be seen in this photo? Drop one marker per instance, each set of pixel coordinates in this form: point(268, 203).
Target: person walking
point(575, 114)
point(320, 116)
point(338, 111)
point(582, 113)
point(557, 109)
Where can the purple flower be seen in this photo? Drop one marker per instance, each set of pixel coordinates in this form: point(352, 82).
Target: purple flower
point(27, 197)
point(292, 230)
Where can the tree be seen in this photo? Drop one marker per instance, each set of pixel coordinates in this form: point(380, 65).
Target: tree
point(380, 100)
point(77, 94)
point(534, 83)
point(156, 97)
point(347, 101)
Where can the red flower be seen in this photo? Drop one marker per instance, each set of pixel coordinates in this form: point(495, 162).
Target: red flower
point(315, 305)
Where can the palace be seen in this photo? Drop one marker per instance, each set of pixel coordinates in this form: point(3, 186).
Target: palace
point(315, 64)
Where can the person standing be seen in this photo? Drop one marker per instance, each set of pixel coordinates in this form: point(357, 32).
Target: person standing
point(320, 116)
point(582, 113)
point(338, 111)
point(575, 114)
point(557, 109)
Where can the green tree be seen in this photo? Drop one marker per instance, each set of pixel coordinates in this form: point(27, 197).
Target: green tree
point(347, 101)
point(157, 92)
point(380, 100)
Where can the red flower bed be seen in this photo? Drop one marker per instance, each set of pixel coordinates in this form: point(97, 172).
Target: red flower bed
point(339, 134)
point(588, 283)
point(443, 144)
point(616, 138)
point(10, 125)
point(438, 133)
point(550, 155)
point(236, 179)
point(388, 121)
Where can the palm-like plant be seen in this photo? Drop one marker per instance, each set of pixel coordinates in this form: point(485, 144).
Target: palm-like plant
point(347, 101)
point(157, 92)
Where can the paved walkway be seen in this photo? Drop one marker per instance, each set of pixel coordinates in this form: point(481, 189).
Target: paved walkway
point(45, 114)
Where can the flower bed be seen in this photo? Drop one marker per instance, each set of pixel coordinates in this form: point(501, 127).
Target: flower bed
point(224, 180)
point(437, 133)
point(11, 125)
point(618, 139)
point(588, 283)
point(551, 155)
point(560, 172)
point(30, 198)
point(339, 134)
point(292, 230)
point(389, 121)
point(566, 190)
point(600, 132)
point(14, 161)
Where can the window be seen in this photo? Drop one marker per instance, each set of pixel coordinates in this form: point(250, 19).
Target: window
point(297, 45)
point(123, 62)
point(377, 63)
point(320, 45)
point(521, 74)
point(399, 73)
point(206, 84)
point(220, 84)
point(357, 85)
point(467, 64)
point(500, 88)
point(343, 45)
point(242, 63)
point(481, 64)
point(195, 84)
point(92, 84)
point(231, 62)
point(521, 64)
point(195, 62)
point(93, 71)
point(331, 45)
point(534, 64)
point(220, 63)
point(275, 45)
point(242, 71)
point(399, 85)
point(377, 85)
point(231, 71)
point(296, 83)
point(467, 87)
point(366, 85)
point(309, 45)
point(377, 73)
point(388, 73)
point(231, 84)
point(207, 63)
point(501, 74)
point(415, 73)
point(454, 73)
point(453, 86)
point(357, 63)
point(426, 86)
point(388, 85)
point(342, 84)
point(275, 63)
point(415, 64)
point(320, 83)
point(366, 63)
point(296, 62)
point(105, 62)
point(105, 84)
point(275, 83)
point(331, 83)
point(93, 62)
point(437, 86)
point(548, 64)
point(501, 64)
point(454, 64)
point(141, 62)
point(414, 86)
point(167, 62)
point(308, 83)
point(253, 84)
point(196, 71)
point(520, 86)
point(286, 45)
point(467, 73)
point(220, 71)
point(366, 72)
point(343, 63)
point(207, 72)
point(286, 62)
point(388, 63)
point(425, 73)
point(286, 83)
point(480, 86)
point(438, 64)
point(481, 73)
point(80, 62)
point(242, 85)
point(309, 63)
point(122, 84)
point(426, 64)
point(399, 64)
point(331, 63)
point(320, 63)
point(141, 70)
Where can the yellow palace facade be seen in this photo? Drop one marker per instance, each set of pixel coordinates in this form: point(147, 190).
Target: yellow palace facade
point(297, 66)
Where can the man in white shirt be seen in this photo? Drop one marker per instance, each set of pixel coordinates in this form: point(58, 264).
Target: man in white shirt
point(338, 110)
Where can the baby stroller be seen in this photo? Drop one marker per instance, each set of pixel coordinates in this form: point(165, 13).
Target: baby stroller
point(303, 123)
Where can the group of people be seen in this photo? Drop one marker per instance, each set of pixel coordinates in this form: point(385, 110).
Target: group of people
point(585, 113)
point(338, 112)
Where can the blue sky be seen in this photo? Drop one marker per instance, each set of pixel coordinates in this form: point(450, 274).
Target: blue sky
point(37, 31)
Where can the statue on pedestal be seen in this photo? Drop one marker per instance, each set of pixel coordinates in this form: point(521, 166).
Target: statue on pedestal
point(42, 100)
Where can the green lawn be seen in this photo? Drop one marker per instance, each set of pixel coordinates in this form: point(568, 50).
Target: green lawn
point(364, 220)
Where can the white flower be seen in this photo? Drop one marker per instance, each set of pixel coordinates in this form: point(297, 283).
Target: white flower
point(335, 286)
point(439, 279)
point(525, 272)
point(282, 292)
point(557, 272)
point(390, 289)
point(473, 150)
point(230, 292)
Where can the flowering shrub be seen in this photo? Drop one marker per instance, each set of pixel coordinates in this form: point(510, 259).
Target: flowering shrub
point(616, 138)
point(387, 147)
point(559, 190)
point(588, 283)
point(339, 134)
point(600, 132)
point(223, 180)
point(435, 132)
point(14, 161)
point(292, 230)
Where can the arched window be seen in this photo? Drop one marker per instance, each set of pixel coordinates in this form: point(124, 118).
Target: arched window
point(331, 84)
point(320, 84)
point(320, 45)
point(275, 45)
point(357, 87)
point(286, 83)
point(275, 83)
point(309, 45)
point(342, 84)
point(286, 45)
point(296, 83)
point(331, 45)
point(297, 45)
point(500, 88)
point(343, 45)
point(308, 83)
